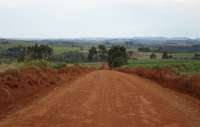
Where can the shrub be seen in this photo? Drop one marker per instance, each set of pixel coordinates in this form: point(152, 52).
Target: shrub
point(118, 61)
point(153, 56)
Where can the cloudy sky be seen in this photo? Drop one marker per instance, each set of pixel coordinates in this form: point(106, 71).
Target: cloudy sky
point(99, 18)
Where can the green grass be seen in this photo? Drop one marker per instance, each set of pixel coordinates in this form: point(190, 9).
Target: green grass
point(183, 55)
point(179, 66)
point(178, 55)
point(62, 49)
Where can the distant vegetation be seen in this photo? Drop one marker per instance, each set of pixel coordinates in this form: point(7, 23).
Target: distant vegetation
point(178, 66)
point(116, 56)
point(182, 54)
point(70, 57)
point(92, 56)
point(153, 56)
point(165, 55)
point(35, 52)
point(99, 54)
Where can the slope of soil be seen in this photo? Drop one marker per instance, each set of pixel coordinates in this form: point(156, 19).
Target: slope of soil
point(18, 87)
point(109, 99)
point(166, 78)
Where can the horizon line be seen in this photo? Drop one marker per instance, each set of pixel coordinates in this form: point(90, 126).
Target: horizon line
point(71, 38)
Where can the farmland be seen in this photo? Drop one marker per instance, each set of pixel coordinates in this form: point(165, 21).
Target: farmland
point(179, 66)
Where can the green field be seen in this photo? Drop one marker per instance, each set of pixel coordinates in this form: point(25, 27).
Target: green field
point(62, 49)
point(178, 55)
point(180, 66)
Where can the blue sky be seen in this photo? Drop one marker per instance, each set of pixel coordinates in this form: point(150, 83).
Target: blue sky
point(99, 18)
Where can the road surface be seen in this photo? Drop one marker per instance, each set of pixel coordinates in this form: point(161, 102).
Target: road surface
point(108, 99)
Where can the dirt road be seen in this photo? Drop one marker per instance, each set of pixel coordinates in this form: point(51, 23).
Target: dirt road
point(109, 99)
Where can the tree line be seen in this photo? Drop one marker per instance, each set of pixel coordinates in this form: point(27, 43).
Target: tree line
point(34, 52)
point(116, 56)
point(98, 54)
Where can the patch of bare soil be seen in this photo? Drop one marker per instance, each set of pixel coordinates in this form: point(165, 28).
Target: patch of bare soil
point(18, 87)
point(168, 79)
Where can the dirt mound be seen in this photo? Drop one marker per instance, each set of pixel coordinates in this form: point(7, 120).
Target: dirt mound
point(165, 77)
point(20, 86)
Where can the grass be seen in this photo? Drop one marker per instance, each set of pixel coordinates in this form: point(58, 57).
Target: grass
point(183, 55)
point(179, 66)
point(46, 64)
point(62, 49)
point(14, 65)
point(3, 47)
point(178, 55)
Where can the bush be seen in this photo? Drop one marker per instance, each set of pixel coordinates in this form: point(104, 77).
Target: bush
point(59, 65)
point(38, 63)
point(92, 56)
point(118, 61)
point(153, 56)
point(166, 55)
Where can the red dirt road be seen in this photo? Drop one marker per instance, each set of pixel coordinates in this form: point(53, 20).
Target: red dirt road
point(109, 99)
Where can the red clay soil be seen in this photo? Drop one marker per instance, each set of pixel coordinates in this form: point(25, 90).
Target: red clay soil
point(20, 87)
point(168, 79)
point(108, 99)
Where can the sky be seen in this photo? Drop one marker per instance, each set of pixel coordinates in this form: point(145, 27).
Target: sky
point(99, 18)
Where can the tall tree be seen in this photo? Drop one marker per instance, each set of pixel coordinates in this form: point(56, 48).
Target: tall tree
point(165, 55)
point(92, 56)
point(103, 53)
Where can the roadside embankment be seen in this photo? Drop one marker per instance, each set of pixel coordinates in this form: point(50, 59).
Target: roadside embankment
point(18, 87)
point(166, 78)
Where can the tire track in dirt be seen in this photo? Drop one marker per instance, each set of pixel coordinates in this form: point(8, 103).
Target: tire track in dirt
point(107, 99)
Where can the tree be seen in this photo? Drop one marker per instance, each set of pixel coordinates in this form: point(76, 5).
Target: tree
point(153, 56)
point(117, 56)
point(92, 56)
point(39, 52)
point(165, 55)
point(44, 52)
point(103, 53)
point(21, 54)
